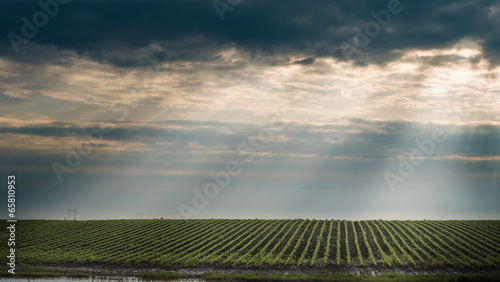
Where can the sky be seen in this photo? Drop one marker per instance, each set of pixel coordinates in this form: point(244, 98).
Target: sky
point(251, 109)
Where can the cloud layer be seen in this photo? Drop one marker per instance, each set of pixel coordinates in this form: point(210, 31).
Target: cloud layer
point(136, 34)
point(315, 132)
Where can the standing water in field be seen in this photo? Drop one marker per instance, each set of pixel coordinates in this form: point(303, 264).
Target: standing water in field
point(111, 278)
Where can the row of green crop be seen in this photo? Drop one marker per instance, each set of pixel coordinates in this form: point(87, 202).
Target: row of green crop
point(258, 243)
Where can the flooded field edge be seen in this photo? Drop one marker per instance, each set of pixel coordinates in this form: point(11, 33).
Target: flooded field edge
point(107, 272)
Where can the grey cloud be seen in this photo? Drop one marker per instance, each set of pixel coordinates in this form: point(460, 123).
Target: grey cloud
point(123, 34)
point(305, 62)
point(370, 139)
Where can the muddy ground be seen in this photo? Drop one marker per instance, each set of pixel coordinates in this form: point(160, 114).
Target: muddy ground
point(366, 270)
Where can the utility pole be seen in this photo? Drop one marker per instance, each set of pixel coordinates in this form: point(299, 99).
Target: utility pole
point(137, 215)
point(69, 214)
point(75, 213)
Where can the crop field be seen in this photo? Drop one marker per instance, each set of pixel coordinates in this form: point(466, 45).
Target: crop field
point(280, 244)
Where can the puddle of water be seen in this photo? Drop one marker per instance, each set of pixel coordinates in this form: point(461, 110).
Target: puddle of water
point(93, 279)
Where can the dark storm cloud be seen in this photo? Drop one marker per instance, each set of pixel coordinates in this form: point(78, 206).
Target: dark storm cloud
point(136, 33)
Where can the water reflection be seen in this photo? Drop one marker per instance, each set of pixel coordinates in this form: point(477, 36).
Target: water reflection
point(96, 279)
